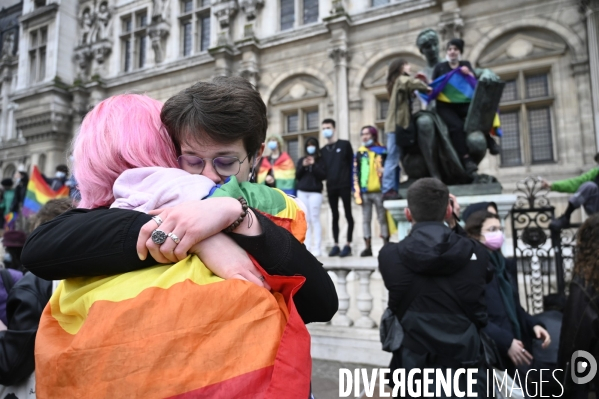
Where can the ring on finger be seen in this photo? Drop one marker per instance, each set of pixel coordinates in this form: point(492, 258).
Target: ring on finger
point(157, 219)
point(158, 237)
point(174, 237)
point(523, 350)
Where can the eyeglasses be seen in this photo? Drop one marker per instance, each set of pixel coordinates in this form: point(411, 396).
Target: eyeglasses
point(224, 166)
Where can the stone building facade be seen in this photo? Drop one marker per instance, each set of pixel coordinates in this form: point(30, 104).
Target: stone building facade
point(310, 59)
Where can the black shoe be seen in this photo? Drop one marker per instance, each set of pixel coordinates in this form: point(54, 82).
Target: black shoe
point(346, 251)
point(367, 252)
point(494, 148)
point(391, 195)
point(335, 251)
point(559, 224)
point(469, 166)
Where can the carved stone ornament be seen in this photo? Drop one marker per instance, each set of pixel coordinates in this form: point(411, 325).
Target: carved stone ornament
point(339, 54)
point(95, 22)
point(251, 8)
point(101, 50)
point(451, 25)
point(252, 75)
point(225, 11)
point(158, 34)
point(160, 10)
point(83, 56)
point(8, 45)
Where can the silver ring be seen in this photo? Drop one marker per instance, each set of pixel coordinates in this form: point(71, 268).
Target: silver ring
point(158, 220)
point(174, 237)
point(523, 350)
point(262, 278)
point(159, 237)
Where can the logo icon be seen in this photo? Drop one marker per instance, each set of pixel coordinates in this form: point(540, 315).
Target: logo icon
point(580, 363)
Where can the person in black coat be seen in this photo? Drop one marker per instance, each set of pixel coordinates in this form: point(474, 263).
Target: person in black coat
point(436, 280)
point(309, 173)
point(512, 329)
point(580, 327)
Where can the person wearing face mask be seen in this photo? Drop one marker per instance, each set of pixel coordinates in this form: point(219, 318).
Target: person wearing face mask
point(61, 175)
point(512, 329)
point(368, 172)
point(309, 173)
point(338, 157)
point(454, 114)
point(277, 170)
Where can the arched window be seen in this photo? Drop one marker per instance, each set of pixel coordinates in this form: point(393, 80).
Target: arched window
point(9, 171)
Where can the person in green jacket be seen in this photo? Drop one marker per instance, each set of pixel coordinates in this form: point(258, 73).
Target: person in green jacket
point(8, 195)
point(586, 194)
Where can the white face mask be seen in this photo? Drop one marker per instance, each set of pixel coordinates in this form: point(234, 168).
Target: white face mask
point(60, 175)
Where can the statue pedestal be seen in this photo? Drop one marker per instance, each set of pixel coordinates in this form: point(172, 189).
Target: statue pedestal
point(504, 202)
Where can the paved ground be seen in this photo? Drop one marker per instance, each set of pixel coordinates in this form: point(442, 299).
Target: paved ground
point(325, 378)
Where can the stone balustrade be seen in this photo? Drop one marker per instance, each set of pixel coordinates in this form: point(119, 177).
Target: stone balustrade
point(353, 335)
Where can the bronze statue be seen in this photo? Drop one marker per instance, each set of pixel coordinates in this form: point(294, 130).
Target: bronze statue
point(435, 155)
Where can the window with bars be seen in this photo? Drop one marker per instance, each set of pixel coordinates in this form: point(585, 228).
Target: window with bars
point(525, 114)
point(38, 39)
point(134, 40)
point(382, 109)
point(298, 12)
point(300, 124)
point(195, 26)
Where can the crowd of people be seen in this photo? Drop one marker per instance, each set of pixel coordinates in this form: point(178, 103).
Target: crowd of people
point(190, 254)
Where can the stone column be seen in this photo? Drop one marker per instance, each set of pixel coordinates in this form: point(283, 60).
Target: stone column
point(250, 60)
point(223, 60)
point(592, 18)
point(6, 80)
point(340, 57)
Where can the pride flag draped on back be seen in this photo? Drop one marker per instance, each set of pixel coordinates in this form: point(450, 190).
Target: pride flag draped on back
point(457, 88)
point(283, 172)
point(39, 192)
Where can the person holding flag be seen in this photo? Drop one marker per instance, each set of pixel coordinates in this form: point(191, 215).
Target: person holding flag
point(453, 88)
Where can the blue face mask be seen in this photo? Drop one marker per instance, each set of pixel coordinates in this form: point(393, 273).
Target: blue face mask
point(369, 143)
point(327, 133)
point(311, 149)
point(272, 145)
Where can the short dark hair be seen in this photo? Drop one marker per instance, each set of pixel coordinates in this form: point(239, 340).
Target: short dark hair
point(51, 209)
point(597, 157)
point(227, 109)
point(428, 199)
point(474, 224)
point(7, 182)
point(63, 168)
point(329, 120)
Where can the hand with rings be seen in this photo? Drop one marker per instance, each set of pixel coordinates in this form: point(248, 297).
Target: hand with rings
point(189, 223)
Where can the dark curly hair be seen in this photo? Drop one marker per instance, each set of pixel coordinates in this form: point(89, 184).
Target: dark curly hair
point(587, 252)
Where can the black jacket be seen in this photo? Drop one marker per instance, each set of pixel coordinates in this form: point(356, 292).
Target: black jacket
point(437, 329)
point(26, 302)
point(309, 178)
point(580, 329)
point(339, 160)
point(84, 242)
point(443, 67)
point(499, 327)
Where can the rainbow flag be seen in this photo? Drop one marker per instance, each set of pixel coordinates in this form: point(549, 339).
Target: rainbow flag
point(173, 331)
point(10, 221)
point(271, 202)
point(283, 171)
point(456, 87)
point(38, 193)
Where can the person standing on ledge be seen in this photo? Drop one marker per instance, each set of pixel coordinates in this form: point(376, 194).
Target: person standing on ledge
point(277, 170)
point(338, 156)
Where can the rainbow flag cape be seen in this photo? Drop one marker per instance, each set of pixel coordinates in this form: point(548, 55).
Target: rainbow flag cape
point(173, 331)
point(283, 170)
point(367, 163)
point(273, 203)
point(456, 87)
point(39, 192)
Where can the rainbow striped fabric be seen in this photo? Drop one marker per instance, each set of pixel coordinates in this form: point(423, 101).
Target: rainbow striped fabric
point(283, 171)
point(457, 87)
point(39, 192)
point(173, 331)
